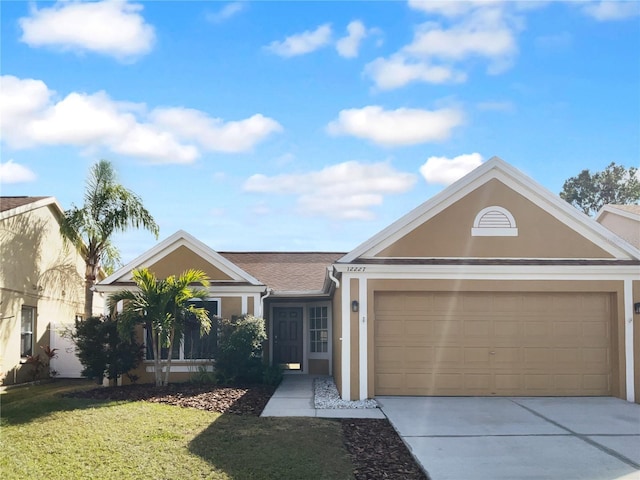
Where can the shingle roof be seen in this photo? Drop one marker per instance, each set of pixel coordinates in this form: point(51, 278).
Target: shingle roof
point(286, 271)
point(9, 203)
point(627, 208)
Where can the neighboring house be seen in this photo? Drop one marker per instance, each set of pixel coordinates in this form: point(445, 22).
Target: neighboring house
point(623, 220)
point(41, 287)
point(493, 287)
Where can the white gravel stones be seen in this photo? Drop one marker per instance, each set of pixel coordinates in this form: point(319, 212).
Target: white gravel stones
point(326, 396)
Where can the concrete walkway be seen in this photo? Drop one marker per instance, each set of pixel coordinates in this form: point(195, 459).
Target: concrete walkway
point(294, 398)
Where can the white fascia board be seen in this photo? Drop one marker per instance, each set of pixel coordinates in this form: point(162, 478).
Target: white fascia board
point(227, 290)
point(496, 272)
point(32, 206)
point(617, 211)
point(170, 244)
point(512, 177)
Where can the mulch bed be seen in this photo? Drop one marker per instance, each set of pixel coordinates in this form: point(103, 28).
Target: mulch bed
point(375, 448)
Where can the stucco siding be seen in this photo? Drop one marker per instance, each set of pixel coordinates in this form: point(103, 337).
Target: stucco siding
point(39, 270)
point(181, 259)
point(448, 234)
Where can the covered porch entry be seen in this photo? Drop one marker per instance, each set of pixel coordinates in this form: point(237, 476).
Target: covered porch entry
point(298, 335)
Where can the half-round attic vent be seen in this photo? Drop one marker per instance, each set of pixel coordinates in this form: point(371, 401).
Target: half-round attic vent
point(494, 222)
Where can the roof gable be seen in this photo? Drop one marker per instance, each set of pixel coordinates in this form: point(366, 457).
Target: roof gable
point(11, 206)
point(508, 187)
point(179, 252)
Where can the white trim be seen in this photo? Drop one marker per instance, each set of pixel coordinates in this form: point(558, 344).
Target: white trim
point(617, 211)
point(227, 290)
point(495, 168)
point(257, 306)
point(244, 304)
point(498, 272)
point(628, 340)
point(182, 368)
point(170, 244)
point(27, 207)
point(494, 232)
point(346, 337)
point(490, 231)
point(362, 331)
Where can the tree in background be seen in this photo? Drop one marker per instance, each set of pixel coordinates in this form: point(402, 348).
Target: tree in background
point(163, 307)
point(103, 350)
point(614, 185)
point(108, 208)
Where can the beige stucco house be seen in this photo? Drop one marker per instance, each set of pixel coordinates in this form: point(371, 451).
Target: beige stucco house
point(41, 287)
point(493, 287)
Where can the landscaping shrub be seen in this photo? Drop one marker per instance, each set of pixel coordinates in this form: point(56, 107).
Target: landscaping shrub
point(103, 351)
point(239, 357)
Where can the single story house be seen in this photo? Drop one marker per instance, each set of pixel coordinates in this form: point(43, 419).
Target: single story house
point(495, 286)
point(41, 288)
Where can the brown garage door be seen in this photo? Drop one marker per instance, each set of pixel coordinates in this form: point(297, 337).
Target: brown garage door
point(433, 343)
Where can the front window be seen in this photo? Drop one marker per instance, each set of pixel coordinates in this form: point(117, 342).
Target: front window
point(27, 316)
point(192, 346)
point(318, 329)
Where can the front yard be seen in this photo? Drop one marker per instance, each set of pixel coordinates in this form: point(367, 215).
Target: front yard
point(47, 435)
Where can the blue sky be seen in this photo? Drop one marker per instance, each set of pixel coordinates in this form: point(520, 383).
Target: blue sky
point(309, 125)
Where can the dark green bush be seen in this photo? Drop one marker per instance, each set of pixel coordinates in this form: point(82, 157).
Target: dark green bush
point(272, 375)
point(103, 351)
point(239, 357)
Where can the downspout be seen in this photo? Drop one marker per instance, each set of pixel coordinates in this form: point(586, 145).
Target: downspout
point(334, 279)
point(267, 295)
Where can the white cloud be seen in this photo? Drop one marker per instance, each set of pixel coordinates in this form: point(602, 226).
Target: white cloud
point(302, 43)
point(226, 12)
point(440, 52)
point(30, 116)
point(609, 10)
point(114, 28)
point(348, 46)
point(213, 133)
point(11, 172)
point(344, 191)
point(445, 171)
point(403, 126)
point(399, 70)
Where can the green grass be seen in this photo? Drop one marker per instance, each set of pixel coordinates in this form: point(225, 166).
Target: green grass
point(45, 435)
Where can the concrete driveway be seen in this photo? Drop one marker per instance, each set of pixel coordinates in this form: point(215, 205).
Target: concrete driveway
point(477, 438)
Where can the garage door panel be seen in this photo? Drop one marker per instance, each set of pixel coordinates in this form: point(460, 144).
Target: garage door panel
point(492, 343)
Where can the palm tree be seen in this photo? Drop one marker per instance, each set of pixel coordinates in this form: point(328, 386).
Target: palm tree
point(163, 306)
point(108, 208)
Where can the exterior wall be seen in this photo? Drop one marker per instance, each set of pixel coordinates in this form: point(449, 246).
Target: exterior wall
point(182, 370)
point(626, 228)
point(448, 234)
point(182, 259)
point(40, 270)
point(616, 288)
point(318, 367)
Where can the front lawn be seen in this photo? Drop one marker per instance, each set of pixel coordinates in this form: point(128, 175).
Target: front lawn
point(45, 435)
